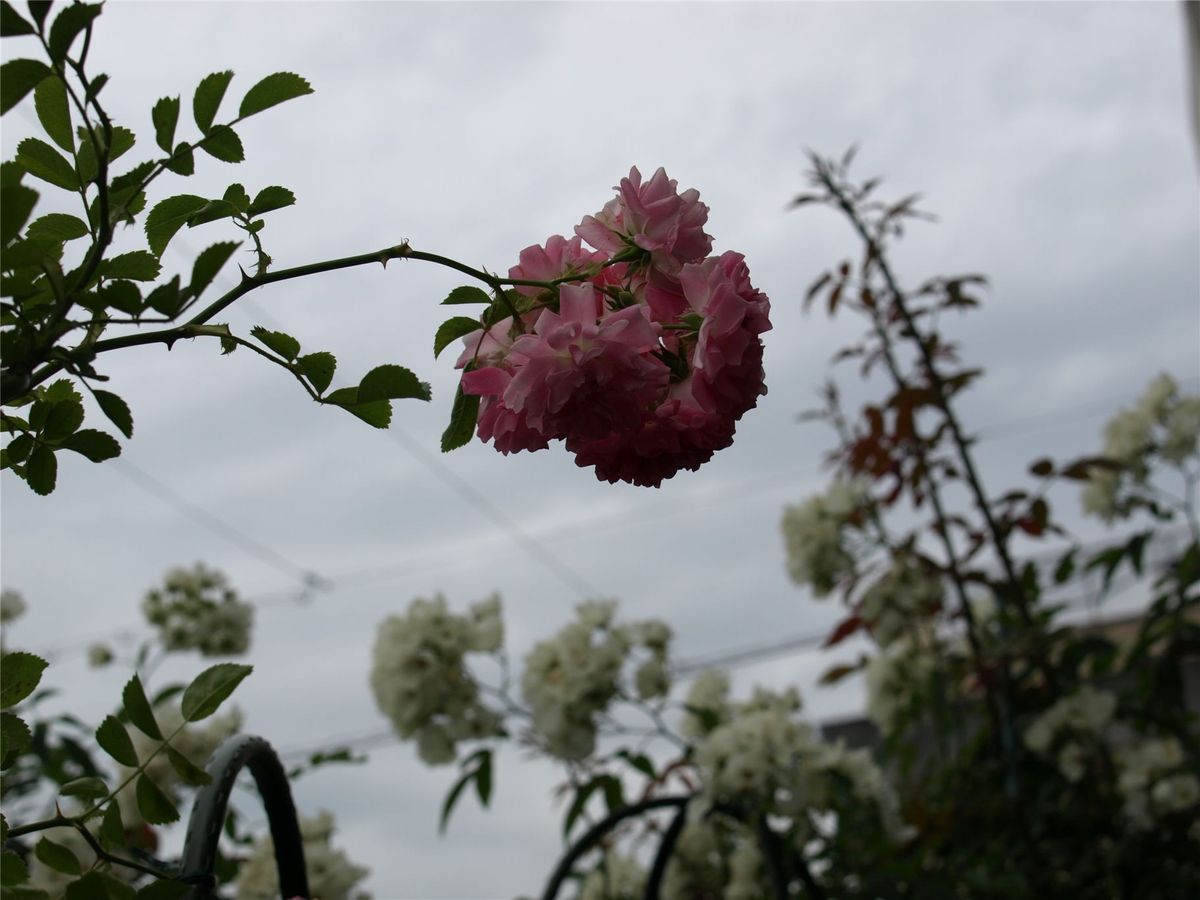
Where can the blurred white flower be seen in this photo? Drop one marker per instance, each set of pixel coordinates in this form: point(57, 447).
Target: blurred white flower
point(331, 874)
point(197, 609)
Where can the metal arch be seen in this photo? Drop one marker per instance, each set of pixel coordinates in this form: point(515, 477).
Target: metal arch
point(208, 817)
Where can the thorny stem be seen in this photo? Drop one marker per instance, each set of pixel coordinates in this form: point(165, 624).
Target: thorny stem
point(77, 824)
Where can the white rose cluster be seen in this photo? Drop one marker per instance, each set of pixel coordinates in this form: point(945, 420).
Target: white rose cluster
point(1069, 730)
point(570, 679)
point(764, 757)
point(902, 595)
point(893, 673)
point(618, 877)
point(420, 679)
point(197, 609)
point(12, 606)
point(1154, 782)
point(331, 874)
point(197, 742)
point(1163, 423)
point(815, 536)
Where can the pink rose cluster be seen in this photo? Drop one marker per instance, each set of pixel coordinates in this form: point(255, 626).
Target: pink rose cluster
point(644, 361)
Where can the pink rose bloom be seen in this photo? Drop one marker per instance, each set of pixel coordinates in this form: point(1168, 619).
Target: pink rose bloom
point(581, 372)
point(558, 257)
point(654, 216)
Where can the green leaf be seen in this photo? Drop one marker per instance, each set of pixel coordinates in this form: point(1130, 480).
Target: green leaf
point(67, 26)
point(16, 206)
point(270, 198)
point(391, 383)
point(54, 112)
point(95, 445)
point(283, 344)
point(208, 264)
point(14, 738)
point(452, 798)
point(168, 217)
point(466, 294)
point(207, 98)
point(182, 160)
point(22, 674)
point(137, 707)
point(223, 144)
point(115, 741)
point(165, 117)
point(210, 689)
point(12, 869)
point(117, 411)
point(188, 772)
point(42, 161)
point(273, 90)
point(41, 472)
point(166, 298)
point(451, 330)
point(90, 788)
point(58, 227)
point(155, 806)
point(96, 885)
point(123, 296)
point(57, 857)
point(95, 87)
point(211, 212)
point(112, 829)
point(137, 265)
point(377, 413)
point(463, 416)
point(11, 23)
point(19, 447)
point(38, 9)
point(122, 142)
point(63, 419)
point(317, 368)
point(17, 78)
point(483, 779)
point(236, 195)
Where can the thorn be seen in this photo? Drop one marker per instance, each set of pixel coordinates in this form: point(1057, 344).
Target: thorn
point(245, 277)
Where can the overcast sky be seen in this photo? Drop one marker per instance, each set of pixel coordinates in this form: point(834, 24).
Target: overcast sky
point(1051, 140)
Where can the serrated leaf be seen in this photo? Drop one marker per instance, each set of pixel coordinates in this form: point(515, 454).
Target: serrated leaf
point(13, 870)
point(207, 98)
point(271, 91)
point(377, 414)
point(155, 806)
point(19, 448)
point(223, 143)
point(112, 829)
point(165, 116)
point(188, 772)
point(115, 741)
point(57, 857)
point(466, 294)
point(54, 112)
point(58, 227)
point(67, 26)
point(17, 78)
point(22, 674)
point(137, 265)
point(270, 198)
point(95, 87)
point(42, 161)
point(210, 689)
point(451, 330)
point(11, 22)
point(391, 382)
point(166, 298)
point(236, 195)
point(63, 419)
point(16, 206)
point(117, 411)
point(208, 264)
point(182, 160)
point(283, 344)
point(96, 885)
point(123, 296)
point(137, 708)
point(41, 471)
point(14, 737)
point(211, 212)
point(463, 415)
point(90, 788)
point(168, 217)
point(95, 445)
point(318, 368)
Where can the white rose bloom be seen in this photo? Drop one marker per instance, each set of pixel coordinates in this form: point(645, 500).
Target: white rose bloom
point(745, 864)
point(616, 878)
point(813, 533)
point(331, 874)
point(1142, 767)
point(709, 691)
point(12, 606)
point(1183, 430)
point(196, 609)
point(904, 593)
